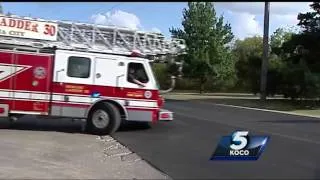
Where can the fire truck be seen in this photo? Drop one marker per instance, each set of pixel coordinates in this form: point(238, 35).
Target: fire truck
point(63, 69)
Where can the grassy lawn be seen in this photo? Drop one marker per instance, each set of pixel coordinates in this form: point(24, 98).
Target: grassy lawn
point(304, 107)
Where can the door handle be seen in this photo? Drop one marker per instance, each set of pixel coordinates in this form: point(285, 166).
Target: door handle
point(117, 80)
point(57, 73)
point(98, 75)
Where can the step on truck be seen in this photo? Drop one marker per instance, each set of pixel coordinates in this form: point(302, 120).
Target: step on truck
point(100, 74)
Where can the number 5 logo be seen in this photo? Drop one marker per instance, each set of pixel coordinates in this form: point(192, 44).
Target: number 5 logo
point(239, 136)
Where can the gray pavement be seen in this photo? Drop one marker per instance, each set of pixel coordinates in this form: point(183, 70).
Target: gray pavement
point(182, 148)
point(57, 149)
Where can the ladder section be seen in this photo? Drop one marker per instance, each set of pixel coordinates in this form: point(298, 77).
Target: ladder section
point(99, 38)
point(114, 40)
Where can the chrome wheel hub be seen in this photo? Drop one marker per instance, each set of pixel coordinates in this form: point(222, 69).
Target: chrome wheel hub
point(100, 119)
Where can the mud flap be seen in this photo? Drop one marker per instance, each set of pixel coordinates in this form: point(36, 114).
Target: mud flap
point(165, 115)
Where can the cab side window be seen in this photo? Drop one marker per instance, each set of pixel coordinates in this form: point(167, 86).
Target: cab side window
point(136, 71)
point(79, 67)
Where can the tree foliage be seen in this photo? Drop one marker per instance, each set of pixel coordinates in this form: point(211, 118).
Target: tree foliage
point(294, 64)
point(279, 37)
point(301, 57)
point(206, 37)
point(248, 53)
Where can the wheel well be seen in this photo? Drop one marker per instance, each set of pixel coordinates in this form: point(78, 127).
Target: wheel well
point(121, 109)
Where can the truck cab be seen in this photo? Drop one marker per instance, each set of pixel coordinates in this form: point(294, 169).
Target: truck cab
point(82, 71)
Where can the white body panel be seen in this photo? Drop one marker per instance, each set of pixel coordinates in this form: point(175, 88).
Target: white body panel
point(61, 65)
point(104, 70)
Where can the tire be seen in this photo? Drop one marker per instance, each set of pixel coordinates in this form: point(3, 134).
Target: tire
point(105, 119)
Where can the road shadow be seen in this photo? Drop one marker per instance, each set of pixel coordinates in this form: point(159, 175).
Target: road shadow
point(303, 121)
point(65, 125)
point(134, 126)
point(175, 100)
point(31, 123)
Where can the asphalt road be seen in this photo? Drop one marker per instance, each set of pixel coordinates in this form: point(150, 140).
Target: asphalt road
point(182, 148)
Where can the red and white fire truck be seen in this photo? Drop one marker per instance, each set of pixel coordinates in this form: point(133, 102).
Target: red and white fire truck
point(80, 71)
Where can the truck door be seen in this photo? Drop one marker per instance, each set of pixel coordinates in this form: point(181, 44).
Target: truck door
point(72, 83)
point(31, 86)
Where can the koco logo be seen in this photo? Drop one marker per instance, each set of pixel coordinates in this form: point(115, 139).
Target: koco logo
point(8, 71)
point(239, 142)
point(240, 146)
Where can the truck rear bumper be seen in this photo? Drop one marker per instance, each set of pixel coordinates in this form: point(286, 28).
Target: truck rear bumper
point(165, 115)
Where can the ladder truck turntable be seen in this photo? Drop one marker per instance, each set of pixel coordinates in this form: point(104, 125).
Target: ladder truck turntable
point(52, 68)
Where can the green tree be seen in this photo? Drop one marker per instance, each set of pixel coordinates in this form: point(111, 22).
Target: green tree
point(279, 37)
point(309, 22)
point(207, 36)
point(301, 54)
point(248, 53)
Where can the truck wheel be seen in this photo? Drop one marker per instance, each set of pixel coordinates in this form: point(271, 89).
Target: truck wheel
point(103, 120)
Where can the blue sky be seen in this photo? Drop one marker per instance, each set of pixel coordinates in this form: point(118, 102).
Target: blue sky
point(246, 18)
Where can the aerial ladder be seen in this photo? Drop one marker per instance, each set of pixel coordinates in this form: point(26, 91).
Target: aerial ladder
point(103, 39)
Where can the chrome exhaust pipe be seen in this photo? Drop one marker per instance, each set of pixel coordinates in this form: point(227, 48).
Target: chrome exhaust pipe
point(173, 77)
point(172, 86)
